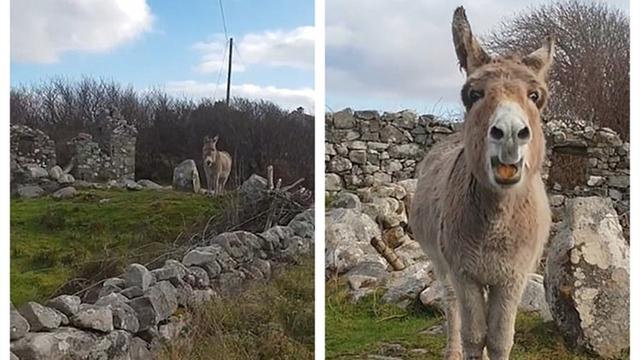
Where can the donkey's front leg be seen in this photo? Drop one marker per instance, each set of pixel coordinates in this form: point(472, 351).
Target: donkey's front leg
point(473, 315)
point(207, 177)
point(215, 184)
point(503, 307)
point(453, 351)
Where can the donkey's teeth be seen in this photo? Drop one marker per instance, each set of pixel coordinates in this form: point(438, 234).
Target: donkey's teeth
point(506, 171)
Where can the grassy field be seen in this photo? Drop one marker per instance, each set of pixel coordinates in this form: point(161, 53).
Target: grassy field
point(369, 327)
point(94, 235)
point(274, 320)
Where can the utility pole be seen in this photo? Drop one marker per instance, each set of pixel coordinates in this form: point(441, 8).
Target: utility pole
point(229, 70)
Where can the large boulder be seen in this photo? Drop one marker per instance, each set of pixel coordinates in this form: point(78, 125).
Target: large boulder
point(253, 189)
point(348, 235)
point(587, 278)
point(186, 177)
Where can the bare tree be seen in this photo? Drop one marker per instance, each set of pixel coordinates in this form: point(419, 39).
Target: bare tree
point(590, 77)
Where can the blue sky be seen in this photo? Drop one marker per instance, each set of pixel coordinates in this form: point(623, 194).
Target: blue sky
point(176, 45)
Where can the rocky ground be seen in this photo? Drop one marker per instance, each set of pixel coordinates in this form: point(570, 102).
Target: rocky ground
point(581, 295)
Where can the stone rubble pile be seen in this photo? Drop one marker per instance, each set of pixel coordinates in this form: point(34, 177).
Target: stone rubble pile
point(32, 181)
point(380, 211)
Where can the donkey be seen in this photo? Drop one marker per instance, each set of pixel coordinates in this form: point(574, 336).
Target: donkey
point(480, 211)
point(217, 165)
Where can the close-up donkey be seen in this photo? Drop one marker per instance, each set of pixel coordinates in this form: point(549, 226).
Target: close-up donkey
point(480, 211)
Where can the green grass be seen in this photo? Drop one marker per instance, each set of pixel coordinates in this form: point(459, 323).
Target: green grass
point(273, 320)
point(355, 330)
point(53, 241)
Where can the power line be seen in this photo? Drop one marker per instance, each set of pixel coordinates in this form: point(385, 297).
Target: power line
point(224, 21)
point(235, 48)
point(222, 62)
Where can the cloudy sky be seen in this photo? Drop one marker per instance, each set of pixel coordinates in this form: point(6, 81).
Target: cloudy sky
point(176, 45)
point(397, 54)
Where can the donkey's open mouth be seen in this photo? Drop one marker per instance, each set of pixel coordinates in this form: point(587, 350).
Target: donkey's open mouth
point(506, 174)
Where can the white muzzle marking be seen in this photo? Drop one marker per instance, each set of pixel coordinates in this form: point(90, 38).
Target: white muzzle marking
point(507, 140)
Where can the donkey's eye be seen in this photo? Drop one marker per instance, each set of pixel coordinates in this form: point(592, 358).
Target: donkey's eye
point(475, 95)
point(534, 96)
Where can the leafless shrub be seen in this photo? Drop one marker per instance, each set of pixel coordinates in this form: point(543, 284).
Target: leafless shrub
point(590, 77)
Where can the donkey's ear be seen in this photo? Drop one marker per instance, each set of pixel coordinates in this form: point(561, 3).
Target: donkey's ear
point(540, 60)
point(206, 138)
point(215, 138)
point(470, 53)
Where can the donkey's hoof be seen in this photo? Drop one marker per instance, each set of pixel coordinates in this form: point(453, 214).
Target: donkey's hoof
point(453, 355)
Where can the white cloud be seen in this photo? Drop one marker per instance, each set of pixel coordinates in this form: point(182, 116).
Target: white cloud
point(42, 30)
point(402, 50)
point(286, 98)
point(277, 48)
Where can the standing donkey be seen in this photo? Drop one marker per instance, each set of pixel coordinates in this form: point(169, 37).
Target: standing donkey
point(480, 211)
point(217, 165)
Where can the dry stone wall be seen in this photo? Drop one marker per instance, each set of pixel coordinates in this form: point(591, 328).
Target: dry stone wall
point(139, 311)
point(365, 148)
point(584, 160)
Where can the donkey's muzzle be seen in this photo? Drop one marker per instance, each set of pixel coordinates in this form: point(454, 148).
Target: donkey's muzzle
point(506, 174)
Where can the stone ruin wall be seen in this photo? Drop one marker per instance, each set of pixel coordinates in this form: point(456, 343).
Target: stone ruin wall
point(32, 146)
point(364, 148)
point(111, 157)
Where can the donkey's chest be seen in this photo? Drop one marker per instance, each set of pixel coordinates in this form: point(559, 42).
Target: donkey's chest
point(496, 253)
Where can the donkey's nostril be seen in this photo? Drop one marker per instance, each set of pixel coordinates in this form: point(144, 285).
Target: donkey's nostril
point(524, 134)
point(496, 133)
